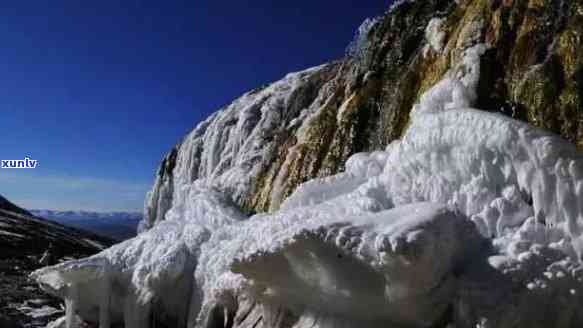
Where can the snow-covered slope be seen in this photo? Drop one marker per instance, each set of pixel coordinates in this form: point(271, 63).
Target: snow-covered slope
point(455, 217)
point(116, 225)
point(22, 233)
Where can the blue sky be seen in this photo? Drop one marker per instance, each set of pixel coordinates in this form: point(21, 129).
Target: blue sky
point(98, 91)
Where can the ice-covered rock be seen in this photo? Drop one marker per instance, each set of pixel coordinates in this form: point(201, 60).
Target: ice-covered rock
point(337, 259)
point(152, 270)
point(359, 245)
point(230, 148)
point(529, 70)
point(434, 35)
point(391, 266)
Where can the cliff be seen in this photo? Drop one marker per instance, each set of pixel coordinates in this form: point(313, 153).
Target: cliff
point(263, 145)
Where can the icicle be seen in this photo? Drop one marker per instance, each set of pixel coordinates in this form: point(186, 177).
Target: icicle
point(104, 306)
point(144, 315)
point(71, 303)
point(574, 226)
point(136, 315)
point(579, 195)
point(550, 200)
point(566, 198)
point(128, 311)
point(538, 195)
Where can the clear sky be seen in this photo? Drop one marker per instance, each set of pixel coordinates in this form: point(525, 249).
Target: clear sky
point(98, 91)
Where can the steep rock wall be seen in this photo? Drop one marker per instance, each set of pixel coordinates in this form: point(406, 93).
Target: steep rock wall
point(266, 143)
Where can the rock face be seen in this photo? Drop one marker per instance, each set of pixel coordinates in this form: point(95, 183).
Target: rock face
point(263, 145)
point(429, 179)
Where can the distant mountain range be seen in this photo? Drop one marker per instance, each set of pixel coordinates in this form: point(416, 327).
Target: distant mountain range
point(28, 242)
point(23, 232)
point(117, 225)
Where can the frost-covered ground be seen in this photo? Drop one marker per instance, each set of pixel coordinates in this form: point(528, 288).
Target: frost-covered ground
point(471, 219)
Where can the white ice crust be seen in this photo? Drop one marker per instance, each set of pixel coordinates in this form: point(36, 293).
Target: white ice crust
point(228, 149)
point(434, 34)
point(380, 243)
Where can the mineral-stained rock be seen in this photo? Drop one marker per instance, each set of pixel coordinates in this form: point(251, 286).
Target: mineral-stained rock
point(263, 145)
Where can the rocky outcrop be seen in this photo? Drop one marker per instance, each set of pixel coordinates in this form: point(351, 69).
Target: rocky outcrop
point(263, 145)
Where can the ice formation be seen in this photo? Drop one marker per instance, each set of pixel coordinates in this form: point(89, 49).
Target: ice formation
point(229, 148)
point(466, 204)
point(358, 46)
point(434, 34)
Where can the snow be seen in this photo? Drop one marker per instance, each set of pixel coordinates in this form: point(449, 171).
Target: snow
point(62, 323)
point(85, 215)
point(373, 266)
point(358, 46)
point(434, 34)
point(94, 243)
point(158, 261)
point(380, 243)
point(38, 312)
point(458, 88)
point(398, 3)
point(11, 234)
